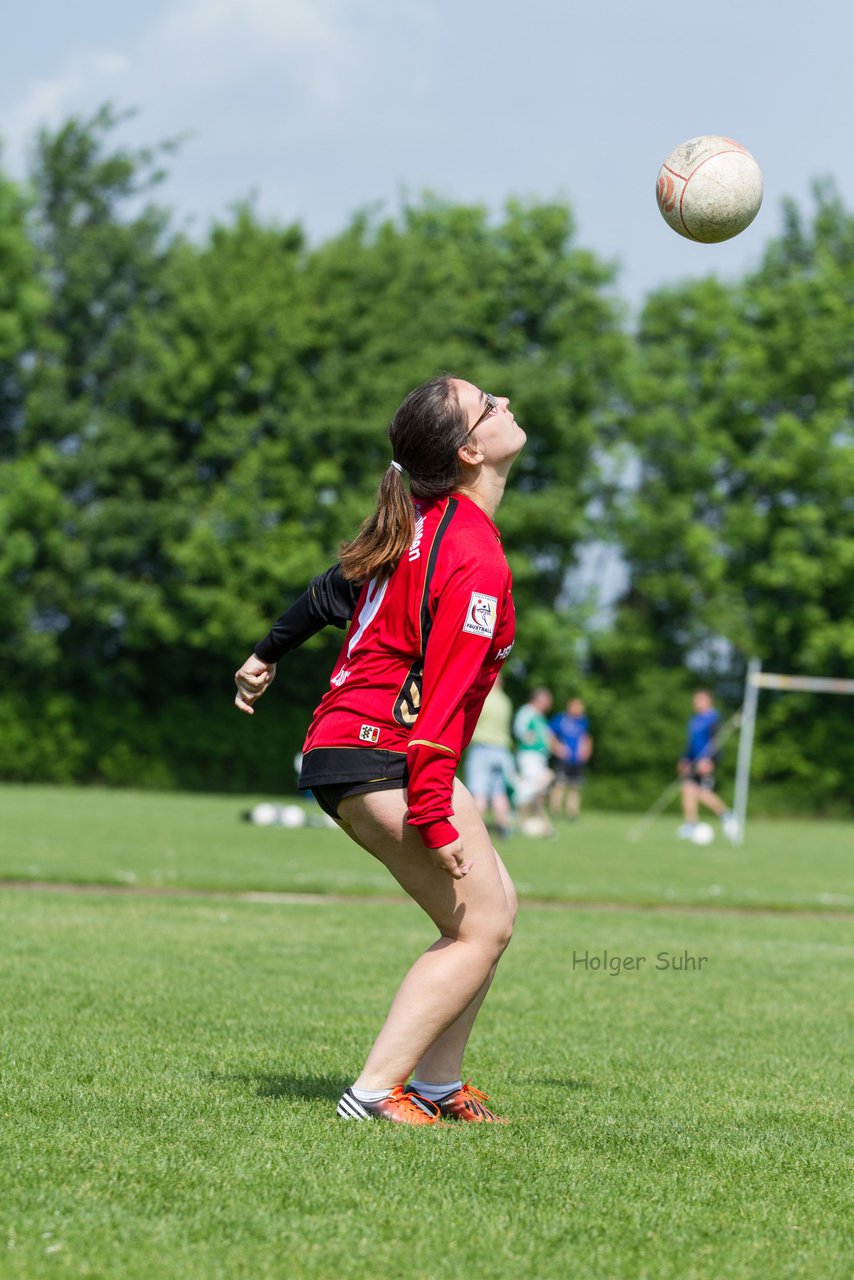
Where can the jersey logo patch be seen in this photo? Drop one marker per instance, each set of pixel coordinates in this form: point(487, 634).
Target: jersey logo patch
point(369, 733)
point(481, 615)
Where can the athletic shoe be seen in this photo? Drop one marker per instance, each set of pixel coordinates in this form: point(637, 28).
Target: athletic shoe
point(467, 1104)
point(731, 827)
point(686, 831)
point(398, 1106)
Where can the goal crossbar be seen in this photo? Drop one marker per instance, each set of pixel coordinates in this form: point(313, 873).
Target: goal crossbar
point(758, 679)
point(800, 684)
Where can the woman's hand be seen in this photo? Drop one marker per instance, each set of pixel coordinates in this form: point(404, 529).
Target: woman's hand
point(450, 858)
point(253, 679)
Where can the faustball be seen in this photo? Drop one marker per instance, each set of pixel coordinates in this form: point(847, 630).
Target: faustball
point(709, 189)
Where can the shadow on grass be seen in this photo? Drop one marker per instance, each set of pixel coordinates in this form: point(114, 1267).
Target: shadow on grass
point(303, 1088)
point(264, 1084)
point(558, 1082)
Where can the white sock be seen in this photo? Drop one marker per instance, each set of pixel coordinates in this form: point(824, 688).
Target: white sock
point(433, 1092)
point(369, 1095)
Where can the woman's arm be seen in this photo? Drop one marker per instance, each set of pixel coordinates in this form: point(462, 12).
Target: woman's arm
point(454, 659)
point(329, 599)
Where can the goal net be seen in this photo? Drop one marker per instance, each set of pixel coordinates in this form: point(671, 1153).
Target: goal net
point(758, 679)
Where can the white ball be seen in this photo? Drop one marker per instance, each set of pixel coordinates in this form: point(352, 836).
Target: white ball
point(535, 826)
point(291, 815)
point(264, 815)
point(703, 833)
point(709, 189)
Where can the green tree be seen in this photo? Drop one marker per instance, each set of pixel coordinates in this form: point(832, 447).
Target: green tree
point(80, 492)
point(23, 302)
point(30, 503)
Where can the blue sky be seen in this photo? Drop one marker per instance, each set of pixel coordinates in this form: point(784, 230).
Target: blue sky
point(322, 107)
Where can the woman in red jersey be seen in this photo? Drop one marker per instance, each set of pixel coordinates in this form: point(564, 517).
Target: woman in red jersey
point(425, 592)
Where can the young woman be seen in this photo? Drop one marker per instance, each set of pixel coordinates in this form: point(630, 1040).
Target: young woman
point(425, 588)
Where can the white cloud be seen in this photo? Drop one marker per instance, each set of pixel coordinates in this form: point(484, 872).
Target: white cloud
point(316, 53)
point(246, 79)
point(221, 43)
point(96, 73)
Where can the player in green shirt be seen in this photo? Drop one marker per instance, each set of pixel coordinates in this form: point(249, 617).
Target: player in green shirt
point(535, 743)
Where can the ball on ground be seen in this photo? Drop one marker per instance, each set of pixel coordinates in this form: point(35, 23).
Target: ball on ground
point(291, 815)
point(703, 833)
point(535, 826)
point(709, 189)
point(264, 815)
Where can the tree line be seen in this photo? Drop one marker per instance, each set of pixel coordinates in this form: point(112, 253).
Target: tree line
point(190, 426)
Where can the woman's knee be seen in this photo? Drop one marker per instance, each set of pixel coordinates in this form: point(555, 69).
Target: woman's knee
point(490, 935)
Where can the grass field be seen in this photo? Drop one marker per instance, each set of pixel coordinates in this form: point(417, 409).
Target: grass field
point(170, 1066)
point(136, 838)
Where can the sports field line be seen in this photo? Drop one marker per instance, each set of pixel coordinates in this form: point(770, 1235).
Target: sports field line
point(272, 896)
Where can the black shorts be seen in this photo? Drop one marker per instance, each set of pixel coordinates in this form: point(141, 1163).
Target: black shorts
point(331, 773)
point(566, 771)
point(705, 781)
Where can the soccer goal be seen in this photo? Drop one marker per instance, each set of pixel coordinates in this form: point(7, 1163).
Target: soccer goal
point(758, 679)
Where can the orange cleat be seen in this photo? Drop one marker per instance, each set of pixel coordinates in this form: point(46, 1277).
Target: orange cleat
point(466, 1104)
point(401, 1107)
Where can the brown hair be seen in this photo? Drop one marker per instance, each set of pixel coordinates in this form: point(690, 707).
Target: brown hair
point(425, 433)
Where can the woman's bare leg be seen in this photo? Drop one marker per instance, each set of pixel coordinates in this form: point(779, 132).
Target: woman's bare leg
point(474, 916)
point(444, 1059)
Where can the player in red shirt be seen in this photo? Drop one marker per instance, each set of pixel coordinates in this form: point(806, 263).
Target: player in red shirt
point(426, 591)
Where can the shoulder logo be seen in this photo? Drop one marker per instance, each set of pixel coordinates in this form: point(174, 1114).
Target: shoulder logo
point(481, 615)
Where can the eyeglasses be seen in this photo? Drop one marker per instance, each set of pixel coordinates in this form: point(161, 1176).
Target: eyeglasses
point(491, 404)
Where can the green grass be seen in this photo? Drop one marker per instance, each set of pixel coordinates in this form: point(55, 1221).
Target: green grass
point(125, 837)
point(171, 1070)
point(169, 1067)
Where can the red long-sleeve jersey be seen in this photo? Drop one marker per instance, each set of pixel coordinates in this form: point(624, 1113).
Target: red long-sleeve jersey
point(421, 654)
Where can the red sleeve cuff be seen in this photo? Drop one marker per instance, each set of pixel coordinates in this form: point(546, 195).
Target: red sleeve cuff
point(435, 834)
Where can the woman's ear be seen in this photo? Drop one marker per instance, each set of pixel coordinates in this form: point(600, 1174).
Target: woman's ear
point(472, 452)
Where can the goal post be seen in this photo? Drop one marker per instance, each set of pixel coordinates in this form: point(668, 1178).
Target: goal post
point(758, 679)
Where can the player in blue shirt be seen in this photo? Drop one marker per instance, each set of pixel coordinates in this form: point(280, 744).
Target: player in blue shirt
point(697, 769)
point(572, 730)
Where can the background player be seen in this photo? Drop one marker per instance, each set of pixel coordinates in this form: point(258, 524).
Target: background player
point(697, 770)
point(572, 730)
point(535, 745)
point(489, 760)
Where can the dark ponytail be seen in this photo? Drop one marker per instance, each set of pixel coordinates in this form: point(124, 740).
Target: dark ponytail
point(384, 536)
point(425, 433)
